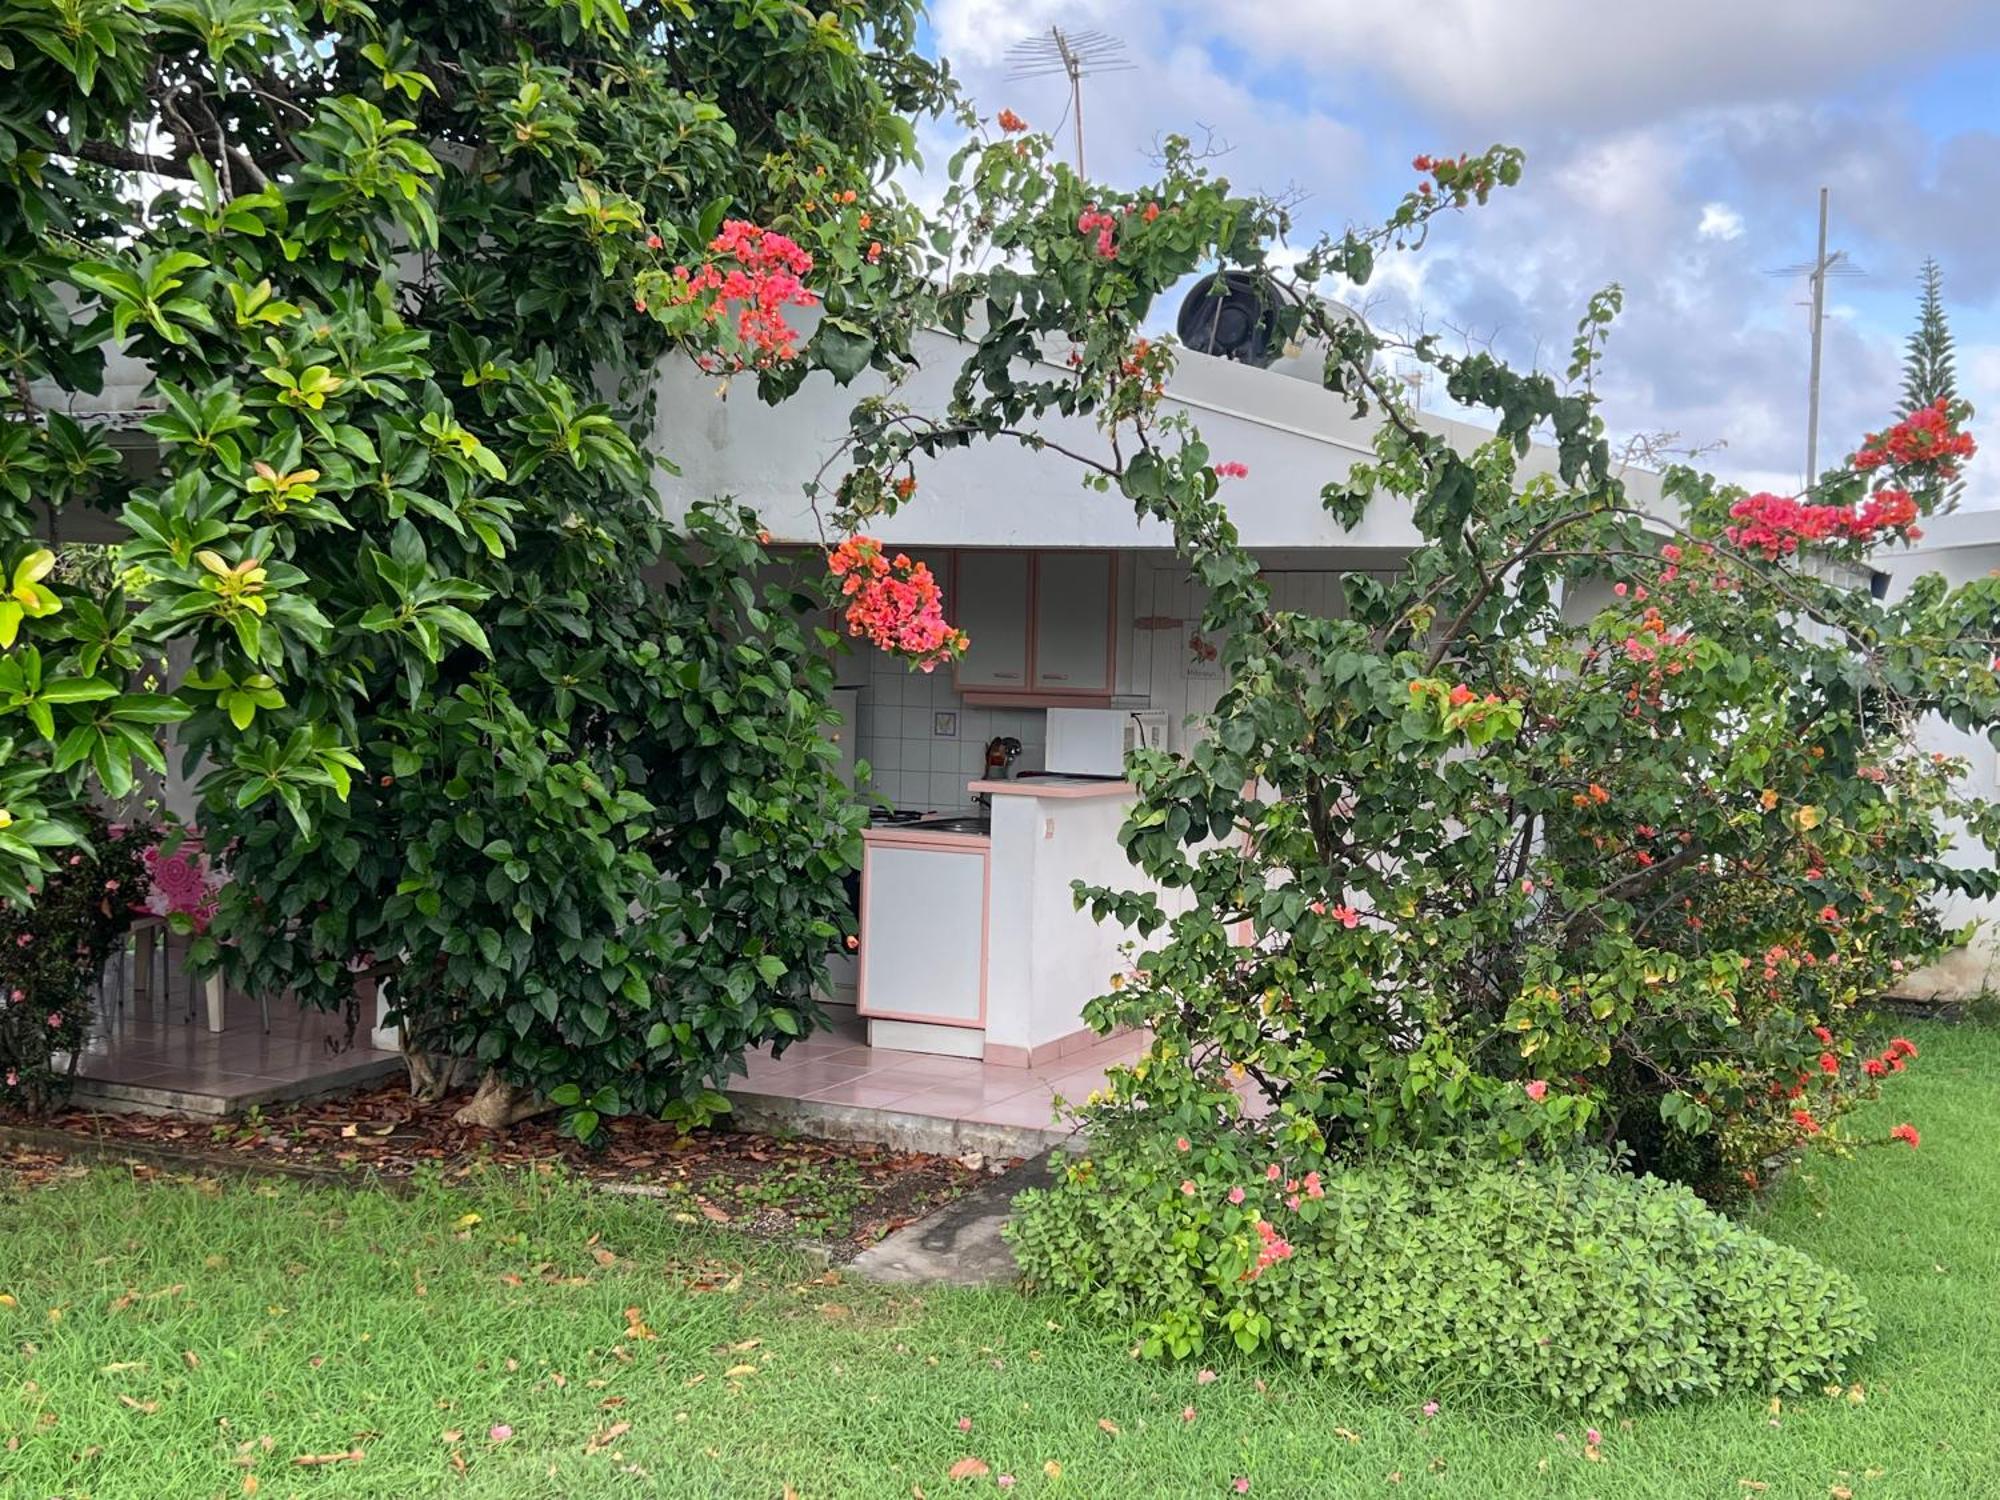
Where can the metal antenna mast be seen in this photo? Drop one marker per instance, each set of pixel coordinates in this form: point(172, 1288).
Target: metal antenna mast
point(1816, 271)
point(1075, 55)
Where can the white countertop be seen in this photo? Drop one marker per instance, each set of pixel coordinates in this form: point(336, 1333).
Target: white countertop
point(1054, 786)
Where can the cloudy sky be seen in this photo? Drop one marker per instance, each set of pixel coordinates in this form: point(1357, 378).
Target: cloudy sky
point(1676, 149)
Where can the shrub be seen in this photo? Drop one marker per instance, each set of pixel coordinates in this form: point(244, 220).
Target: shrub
point(1578, 1285)
point(51, 954)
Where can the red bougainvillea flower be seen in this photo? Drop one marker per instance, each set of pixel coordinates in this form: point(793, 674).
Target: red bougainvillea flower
point(894, 603)
point(1537, 1090)
point(1926, 436)
point(755, 275)
point(1777, 525)
point(1010, 122)
point(1907, 1133)
point(1346, 916)
point(1232, 470)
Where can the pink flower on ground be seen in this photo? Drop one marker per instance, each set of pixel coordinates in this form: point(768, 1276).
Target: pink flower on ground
point(1236, 1195)
point(1205, 1377)
point(1537, 1089)
point(1593, 1437)
point(1241, 1485)
point(499, 1432)
point(965, 1424)
point(1430, 1408)
point(1005, 1481)
point(1187, 1413)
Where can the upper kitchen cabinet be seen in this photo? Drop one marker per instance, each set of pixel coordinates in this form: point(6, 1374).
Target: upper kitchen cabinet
point(990, 594)
point(1075, 595)
point(1042, 624)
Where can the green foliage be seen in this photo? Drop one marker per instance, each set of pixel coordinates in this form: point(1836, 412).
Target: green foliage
point(403, 520)
point(1572, 1285)
point(52, 952)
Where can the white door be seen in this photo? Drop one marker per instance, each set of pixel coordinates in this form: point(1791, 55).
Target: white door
point(991, 607)
point(1073, 621)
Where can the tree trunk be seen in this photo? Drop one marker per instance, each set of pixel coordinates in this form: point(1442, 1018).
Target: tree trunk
point(499, 1104)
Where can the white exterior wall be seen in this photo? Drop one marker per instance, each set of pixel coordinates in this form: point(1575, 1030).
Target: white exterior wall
point(1294, 436)
point(1960, 548)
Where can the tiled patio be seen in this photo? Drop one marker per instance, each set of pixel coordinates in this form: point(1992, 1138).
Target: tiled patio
point(147, 1055)
point(835, 1084)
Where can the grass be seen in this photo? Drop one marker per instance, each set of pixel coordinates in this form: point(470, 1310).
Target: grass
point(325, 1322)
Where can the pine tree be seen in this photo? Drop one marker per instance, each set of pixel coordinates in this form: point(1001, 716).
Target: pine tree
point(1927, 361)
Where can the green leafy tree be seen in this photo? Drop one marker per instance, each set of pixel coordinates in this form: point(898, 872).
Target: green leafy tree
point(472, 720)
point(1929, 375)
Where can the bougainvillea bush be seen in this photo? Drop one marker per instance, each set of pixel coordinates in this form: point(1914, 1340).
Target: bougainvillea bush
point(51, 953)
point(1575, 1286)
point(1598, 822)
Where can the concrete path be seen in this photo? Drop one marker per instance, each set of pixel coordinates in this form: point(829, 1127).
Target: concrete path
point(959, 1244)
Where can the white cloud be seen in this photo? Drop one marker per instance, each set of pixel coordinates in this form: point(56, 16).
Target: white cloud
point(1506, 63)
point(1719, 222)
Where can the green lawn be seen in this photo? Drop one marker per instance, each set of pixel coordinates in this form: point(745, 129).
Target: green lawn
point(185, 1339)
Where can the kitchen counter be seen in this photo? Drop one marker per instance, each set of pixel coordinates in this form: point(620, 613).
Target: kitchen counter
point(971, 943)
point(1053, 786)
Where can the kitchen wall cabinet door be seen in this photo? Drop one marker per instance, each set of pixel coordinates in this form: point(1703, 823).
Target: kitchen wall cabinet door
point(990, 604)
point(1075, 607)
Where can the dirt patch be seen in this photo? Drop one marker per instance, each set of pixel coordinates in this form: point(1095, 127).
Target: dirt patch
point(842, 1197)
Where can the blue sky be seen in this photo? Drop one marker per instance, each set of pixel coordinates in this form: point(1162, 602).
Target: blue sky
point(1676, 149)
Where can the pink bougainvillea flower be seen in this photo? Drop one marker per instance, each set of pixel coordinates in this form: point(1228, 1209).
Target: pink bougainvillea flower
point(1240, 1484)
point(1537, 1089)
point(1232, 470)
point(499, 1432)
point(1593, 1437)
point(1180, 1143)
point(1273, 1172)
point(1430, 1408)
point(1236, 1195)
point(1187, 1187)
point(1314, 1188)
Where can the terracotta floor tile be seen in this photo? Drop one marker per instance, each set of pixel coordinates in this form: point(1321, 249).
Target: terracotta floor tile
point(863, 1093)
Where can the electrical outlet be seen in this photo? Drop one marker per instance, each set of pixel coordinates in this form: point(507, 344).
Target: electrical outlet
point(1048, 828)
point(944, 726)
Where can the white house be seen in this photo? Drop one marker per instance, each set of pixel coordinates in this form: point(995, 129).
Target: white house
point(999, 781)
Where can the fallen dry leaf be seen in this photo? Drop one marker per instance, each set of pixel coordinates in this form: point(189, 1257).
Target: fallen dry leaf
point(713, 1214)
point(122, 1365)
point(1352, 1437)
point(1105, 1424)
point(191, 1359)
point(602, 1440)
point(319, 1460)
point(146, 1407)
point(1756, 1485)
point(737, 1372)
point(968, 1468)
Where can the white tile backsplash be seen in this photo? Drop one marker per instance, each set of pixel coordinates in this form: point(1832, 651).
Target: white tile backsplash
point(916, 768)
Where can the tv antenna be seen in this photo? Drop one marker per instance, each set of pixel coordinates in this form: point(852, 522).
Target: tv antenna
point(1816, 271)
point(1075, 55)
